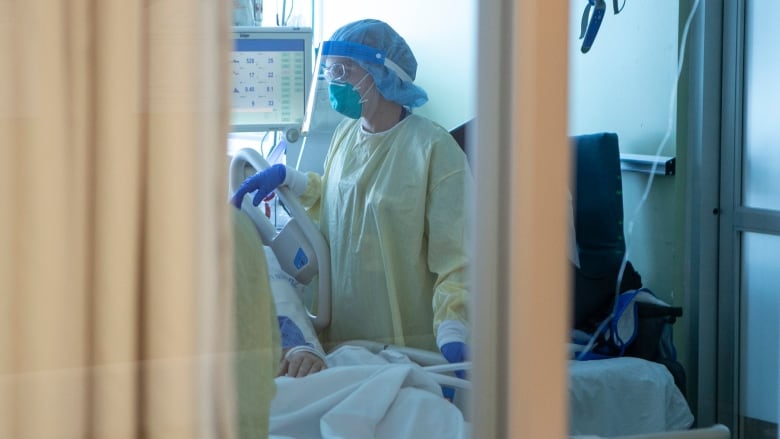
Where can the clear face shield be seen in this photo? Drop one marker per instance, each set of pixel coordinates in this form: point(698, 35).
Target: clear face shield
point(319, 122)
point(320, 116)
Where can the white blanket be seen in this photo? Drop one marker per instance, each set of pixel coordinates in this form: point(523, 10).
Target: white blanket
point(623, 396)
point(364, 395)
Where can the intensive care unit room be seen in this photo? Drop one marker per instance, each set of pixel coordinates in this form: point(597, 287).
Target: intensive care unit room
point(414, 219)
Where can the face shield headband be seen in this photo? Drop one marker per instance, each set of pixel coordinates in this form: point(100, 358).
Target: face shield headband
point(360, 52)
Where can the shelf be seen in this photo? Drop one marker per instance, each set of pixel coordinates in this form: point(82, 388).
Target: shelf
point(660, 165)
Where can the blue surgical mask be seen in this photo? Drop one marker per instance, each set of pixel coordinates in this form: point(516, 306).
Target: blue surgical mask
point(345, 99)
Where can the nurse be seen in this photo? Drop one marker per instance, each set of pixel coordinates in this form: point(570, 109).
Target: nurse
point(391, 202)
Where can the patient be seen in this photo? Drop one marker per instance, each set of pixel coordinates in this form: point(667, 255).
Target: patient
point(299, 358)
point(258, 276)
point(302, 353)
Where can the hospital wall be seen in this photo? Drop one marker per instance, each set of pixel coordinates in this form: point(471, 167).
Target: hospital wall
point(443, 37)
point(624, 84)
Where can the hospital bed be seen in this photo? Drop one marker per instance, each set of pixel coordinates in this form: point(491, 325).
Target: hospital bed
point(608, 398)
point(717, 431)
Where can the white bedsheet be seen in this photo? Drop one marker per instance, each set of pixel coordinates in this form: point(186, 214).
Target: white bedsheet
point(622, 396)
point(364, 395)
point(367, 395)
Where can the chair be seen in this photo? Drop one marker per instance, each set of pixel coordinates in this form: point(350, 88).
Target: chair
point(597, 193)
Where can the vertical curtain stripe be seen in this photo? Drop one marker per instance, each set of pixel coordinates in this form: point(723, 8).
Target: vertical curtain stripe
point(119, 87)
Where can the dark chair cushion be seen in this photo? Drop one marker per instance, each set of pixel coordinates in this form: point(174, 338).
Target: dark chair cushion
point(598, 202)
point(597, 197)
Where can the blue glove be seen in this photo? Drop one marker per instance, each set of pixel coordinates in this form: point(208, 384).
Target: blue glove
point(264, 182)
point(455, 352)
point(448, 393)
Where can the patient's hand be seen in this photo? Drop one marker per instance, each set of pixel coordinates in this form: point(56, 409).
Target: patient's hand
point(300, 364)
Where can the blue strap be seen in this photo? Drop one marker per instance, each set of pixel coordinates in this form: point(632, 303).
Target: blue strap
point(624, 303)
point(592, 28)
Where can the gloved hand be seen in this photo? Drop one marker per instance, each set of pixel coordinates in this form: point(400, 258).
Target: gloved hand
point(264, 182)
point(455, 352)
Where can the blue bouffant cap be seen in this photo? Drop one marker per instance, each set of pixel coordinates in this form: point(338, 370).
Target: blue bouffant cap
point(384, 54)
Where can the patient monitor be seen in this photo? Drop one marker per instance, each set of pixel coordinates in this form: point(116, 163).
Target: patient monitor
point(277, 87)
point(271, 72)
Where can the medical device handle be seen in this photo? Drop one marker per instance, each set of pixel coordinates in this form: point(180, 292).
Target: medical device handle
point(312, 232)
point(264, 227)
point(279, 242)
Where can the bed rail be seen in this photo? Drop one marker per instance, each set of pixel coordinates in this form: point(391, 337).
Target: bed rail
point(299, 246)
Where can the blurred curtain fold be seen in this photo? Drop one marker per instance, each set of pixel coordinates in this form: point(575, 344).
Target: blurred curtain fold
point(115, 244)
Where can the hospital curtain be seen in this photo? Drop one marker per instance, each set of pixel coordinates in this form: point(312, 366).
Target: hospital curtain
point(115, 252)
